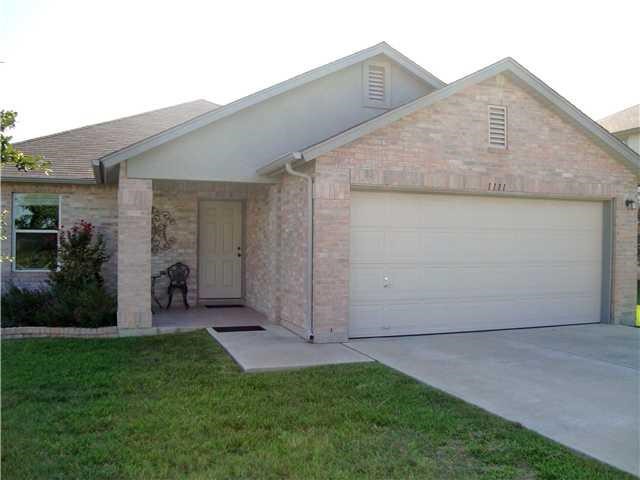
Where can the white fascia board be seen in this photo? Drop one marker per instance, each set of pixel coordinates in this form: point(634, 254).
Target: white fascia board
point(68, 181)
point(253, 99)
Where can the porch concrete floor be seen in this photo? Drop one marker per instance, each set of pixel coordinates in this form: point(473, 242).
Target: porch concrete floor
point(199, 317)
point(274, 348)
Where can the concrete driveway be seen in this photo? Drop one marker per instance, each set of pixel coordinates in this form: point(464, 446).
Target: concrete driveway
point(578, 385)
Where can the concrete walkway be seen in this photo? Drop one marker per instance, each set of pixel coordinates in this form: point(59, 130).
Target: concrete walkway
point(577, 385)
point(276, 348)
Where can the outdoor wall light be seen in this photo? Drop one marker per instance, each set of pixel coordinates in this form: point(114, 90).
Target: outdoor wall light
point(630, 203)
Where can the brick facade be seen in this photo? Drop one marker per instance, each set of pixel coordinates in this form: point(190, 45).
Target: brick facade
point(262, 252)
point(135, 198)
point(293, 252)
point(95, 203)
point(443, 148)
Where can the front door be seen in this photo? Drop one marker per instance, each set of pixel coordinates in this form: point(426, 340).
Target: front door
point(220, 250)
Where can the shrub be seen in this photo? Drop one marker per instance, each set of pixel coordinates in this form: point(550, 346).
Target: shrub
point(81, 255)
point(76, 297)
point(87, 307)
point(22, 307)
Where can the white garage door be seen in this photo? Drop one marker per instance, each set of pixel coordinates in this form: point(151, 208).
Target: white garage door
point(449, 263)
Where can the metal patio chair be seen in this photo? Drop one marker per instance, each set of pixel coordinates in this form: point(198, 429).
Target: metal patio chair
point(178, 274)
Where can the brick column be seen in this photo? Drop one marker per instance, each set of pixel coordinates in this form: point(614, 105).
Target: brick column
point(332, 213)
point(625, 262)
point(135, 198)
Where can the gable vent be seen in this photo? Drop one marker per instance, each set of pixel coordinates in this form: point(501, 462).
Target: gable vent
point(376, 84)
point(497, 126)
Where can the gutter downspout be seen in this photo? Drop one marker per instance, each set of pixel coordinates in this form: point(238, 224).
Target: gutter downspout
point(308, 285)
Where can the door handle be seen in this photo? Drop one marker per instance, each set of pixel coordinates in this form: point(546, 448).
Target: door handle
point(387, 282)
point(239, 252)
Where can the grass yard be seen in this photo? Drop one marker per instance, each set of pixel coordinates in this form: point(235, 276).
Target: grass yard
point(177, 407)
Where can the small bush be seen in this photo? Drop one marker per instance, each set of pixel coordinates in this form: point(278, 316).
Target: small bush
point(22, 307)
point(87, 307)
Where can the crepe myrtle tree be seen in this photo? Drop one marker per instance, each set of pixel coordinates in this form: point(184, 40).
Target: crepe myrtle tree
point(10, 155)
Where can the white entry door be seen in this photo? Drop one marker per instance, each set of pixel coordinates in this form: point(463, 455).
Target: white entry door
point(220, 250)
point(450, 263)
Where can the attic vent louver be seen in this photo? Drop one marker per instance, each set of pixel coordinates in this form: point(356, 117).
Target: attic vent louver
point(497, 126)
point(376, 84)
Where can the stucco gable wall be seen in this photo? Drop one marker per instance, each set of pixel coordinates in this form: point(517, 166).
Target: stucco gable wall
point(234, 147)
point(444, 147)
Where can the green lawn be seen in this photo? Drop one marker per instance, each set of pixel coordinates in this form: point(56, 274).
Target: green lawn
point(177, 407)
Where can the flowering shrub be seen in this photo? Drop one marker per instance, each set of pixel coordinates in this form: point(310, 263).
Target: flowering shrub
point(81, 254)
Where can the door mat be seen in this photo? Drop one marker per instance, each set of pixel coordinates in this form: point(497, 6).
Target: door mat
point(225, 306)
point(243, 328)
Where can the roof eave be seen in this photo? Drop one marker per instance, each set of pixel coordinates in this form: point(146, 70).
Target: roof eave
point(75, 181)
point(279, 163)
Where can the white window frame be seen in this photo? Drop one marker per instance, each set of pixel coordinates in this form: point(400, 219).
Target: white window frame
point(14, 230)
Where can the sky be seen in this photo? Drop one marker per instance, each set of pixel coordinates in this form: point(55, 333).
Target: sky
point(68, 63)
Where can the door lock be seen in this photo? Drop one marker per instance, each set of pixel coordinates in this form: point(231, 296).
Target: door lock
point(387, 282)
point(239, 252)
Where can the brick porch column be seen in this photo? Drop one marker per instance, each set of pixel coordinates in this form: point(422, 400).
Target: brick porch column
point(134, 251)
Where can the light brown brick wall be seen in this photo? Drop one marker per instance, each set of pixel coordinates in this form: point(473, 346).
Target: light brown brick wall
point(293, 252)
point(262, 250)
point(332, 206)
point(444, 148)
point(95, 203)
point(135, 198)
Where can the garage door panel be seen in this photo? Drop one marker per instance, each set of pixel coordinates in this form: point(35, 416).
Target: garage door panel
point(366, 281)
point(456, 263)
point(403, 244)
point(447, 283)
point(367, 245)
point(476, 314)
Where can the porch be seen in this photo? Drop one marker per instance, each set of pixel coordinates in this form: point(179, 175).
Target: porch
point(230, 235)
point(200, 316)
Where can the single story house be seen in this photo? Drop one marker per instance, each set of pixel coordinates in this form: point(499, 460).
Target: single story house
point(363, 198)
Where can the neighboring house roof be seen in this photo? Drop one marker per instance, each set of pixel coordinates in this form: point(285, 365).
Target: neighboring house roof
point(278, 89)
point(73, 152)
point(627, 119)
point(509, 65)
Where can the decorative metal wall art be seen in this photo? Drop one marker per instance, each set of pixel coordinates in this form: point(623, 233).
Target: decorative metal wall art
point(160, 221)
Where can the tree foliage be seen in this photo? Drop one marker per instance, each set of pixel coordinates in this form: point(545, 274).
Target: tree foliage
point(11, 155)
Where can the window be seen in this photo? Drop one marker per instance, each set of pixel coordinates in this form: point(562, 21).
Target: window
point(36, 218)
point(376, 82)
point(497, 126)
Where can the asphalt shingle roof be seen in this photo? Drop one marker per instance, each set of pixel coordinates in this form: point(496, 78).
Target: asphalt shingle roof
point(626, 119)
point(72, 152)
